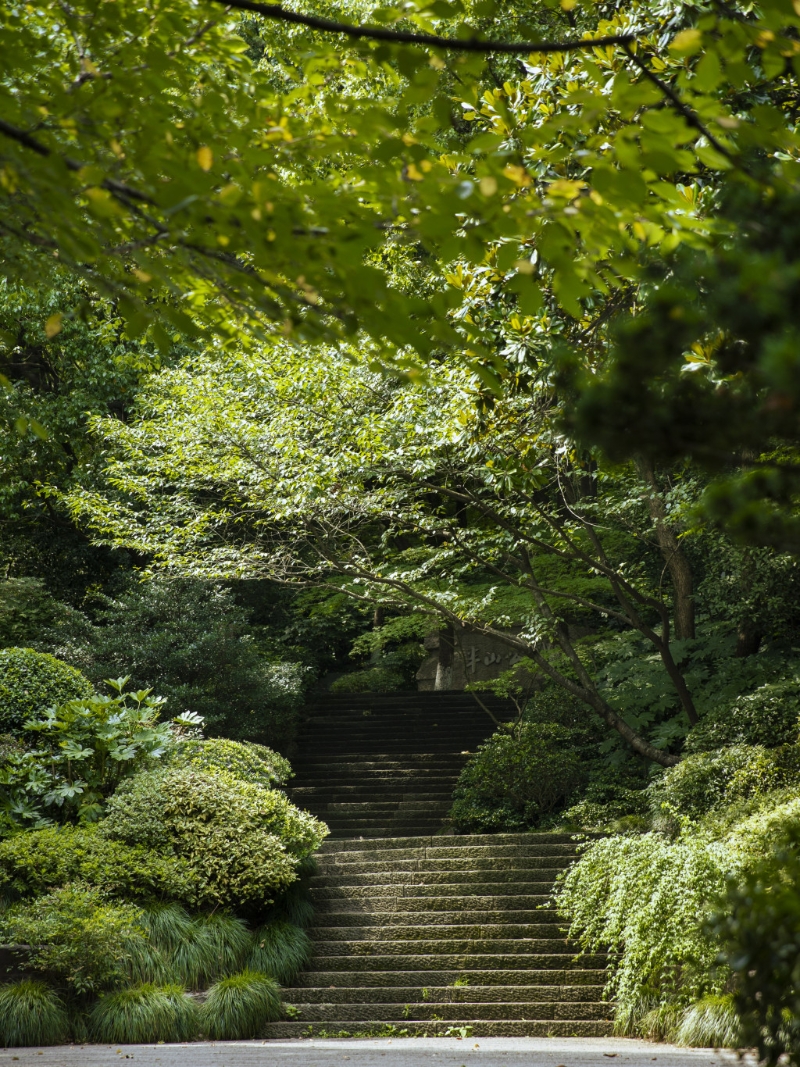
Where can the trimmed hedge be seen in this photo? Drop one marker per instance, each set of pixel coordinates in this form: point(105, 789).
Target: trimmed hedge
point(32, 681)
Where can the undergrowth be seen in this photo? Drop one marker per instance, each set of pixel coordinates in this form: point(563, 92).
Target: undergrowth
point(31, 1014)
point(238, 1007)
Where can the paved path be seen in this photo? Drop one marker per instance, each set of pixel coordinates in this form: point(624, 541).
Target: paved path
point(383, 1052)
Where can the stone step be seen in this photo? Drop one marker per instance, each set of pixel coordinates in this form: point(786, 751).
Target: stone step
point(474, 1028)
point(426, 865)
point(438, 959)
point(368, 791)
point(369, 947)
point(438, 878)
point(469, 994)
point(415, 841)
point(378, 807)
point(445, 850)
point(495, 977)
point(517, 1010)
point(433, 896)
point(416, 933)
point(361, 918)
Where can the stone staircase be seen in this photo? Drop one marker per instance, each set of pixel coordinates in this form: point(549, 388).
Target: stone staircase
point(420, 930)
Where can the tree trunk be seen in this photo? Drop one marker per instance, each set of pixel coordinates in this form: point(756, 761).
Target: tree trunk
point(678, 565)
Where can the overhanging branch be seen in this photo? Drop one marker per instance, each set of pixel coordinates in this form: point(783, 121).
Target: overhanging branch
point(452, 44)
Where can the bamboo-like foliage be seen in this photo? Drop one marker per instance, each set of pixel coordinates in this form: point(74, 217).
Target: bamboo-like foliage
point(237, 1007)
point(31, 1014)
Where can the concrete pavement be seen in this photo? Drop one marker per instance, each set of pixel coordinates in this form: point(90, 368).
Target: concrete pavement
point(380, 1052)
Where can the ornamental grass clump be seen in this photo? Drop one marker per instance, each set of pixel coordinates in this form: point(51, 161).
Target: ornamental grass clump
point(31, 1014)
point(210, 947)
point(710, 1023)
point(281, 950)
point(238, 1007)
point(143, 1015)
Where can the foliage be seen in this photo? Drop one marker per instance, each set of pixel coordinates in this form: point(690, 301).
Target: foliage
point(707, 780)
point(145, 1014)
point(80, 936)
point(31, 1014)
point(515, 779)
point(31, 682)
point(193, 643)
point(280, 950)
point(26, 611)
point(710, 1023)
point(640, 898)
point(645, 898)
point(371, 680)
point(245, 760)
point(193, 950)
point(758, 925)
point(237, 1008)
point(450, 480)
point(242, 843)
point(85, 748)
point(770, 716)
point(614, 798)
point(34, 862)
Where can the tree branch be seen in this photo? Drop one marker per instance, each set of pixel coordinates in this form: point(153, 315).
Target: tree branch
point(453, 44)
point(691, 116)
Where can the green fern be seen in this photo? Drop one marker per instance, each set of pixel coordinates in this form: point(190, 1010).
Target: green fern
point(31, 1014)
point(281, 950)
point(238, 1007)
point(144, 1015)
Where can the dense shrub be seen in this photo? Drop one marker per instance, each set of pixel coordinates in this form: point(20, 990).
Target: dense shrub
point(241, 842)
point(32, 681)
point(35, 862)
point(643, 899)
point(239, 1006)
point(371, 680)
point(516, 778)
point(190, 641)
point(249, 762)
point(31, 1014)
point(144, 1015)
point(280, 950)
point(77, 934)
point(768, 717)
point(612, 799)
point(708, 780)
point(758, 925)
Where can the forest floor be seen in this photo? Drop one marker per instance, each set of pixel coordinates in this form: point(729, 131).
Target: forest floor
point(381, 1052)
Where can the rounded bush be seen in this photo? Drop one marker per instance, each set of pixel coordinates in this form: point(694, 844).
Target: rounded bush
point(513, 780)
point(280, 950)
point(238, 1007)
point(144, 1015)
point(768, 717)
point(245, 760)
point(242, 842)
point(31, 1014)
point(32, 681)
point(704, 781)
